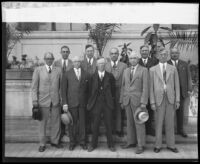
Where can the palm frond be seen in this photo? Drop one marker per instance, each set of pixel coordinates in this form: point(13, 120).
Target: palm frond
point(145, 30)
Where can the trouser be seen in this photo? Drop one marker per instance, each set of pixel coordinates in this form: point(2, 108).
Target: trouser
point(77, 129)
point(55, 121)
point(99, 109)
point(149, 124)
point(135, 132)
point(165, 114)
point(180, 116)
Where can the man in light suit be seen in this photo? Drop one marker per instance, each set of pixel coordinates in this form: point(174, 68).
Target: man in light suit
point(148, 62)
point(134, 93)
point(164, 99)
point(46, 84)
point(74, 96)
point(65, 64)
point(117, 68)
point(89, 65)
point(185, 86)
point(101, 103)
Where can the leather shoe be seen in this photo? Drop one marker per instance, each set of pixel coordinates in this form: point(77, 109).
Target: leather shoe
point(71, 147)
point(157, 150)
point(112, 148)
point(119, 134)
point(91, 148)
point(57, 145)
point(183, 134)
point(128, 146)
point(41, 148)
point(139, 150)
point(84, 146)
point(175, 150)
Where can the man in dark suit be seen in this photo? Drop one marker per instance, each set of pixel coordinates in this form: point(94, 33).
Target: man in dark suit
point(65, 64)
point(148, 62)
point(74, 96)
point(89, 65)
point(46, 85)
point(117, 68)
point(101, 101)
point(185, 87)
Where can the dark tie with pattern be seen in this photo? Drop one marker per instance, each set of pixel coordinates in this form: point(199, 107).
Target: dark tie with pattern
point(64, 66)
point(131, 75)
point(176, 63)
point(49, 69)
point(114, 65)
point(90, 61)
point(164, 73)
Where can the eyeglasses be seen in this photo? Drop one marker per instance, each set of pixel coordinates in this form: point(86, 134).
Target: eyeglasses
point(65, 51)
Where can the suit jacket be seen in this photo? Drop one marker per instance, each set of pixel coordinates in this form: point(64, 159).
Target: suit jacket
point(58, 63)
point(86, 66)
point(46, 87)
point(136, 90)
point(150, 63)
point(74, 91)
point(184, 77)
point(108, 89)
point(157, 85)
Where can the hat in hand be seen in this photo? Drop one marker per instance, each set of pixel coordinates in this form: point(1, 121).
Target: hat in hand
point(66, 118)
point(141, 115)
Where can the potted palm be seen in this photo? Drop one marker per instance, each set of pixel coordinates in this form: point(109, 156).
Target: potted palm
point(14, 33)
point(100, 34)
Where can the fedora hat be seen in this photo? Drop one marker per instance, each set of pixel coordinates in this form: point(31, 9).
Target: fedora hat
point(66, 118)
point(141, 115)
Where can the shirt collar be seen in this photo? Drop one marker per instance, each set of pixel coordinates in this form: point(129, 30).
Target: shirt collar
point(77, 69)
point(144, 60)
point(66, 61)
point(101, 73)
point(89, 59)
point(48, 67)
point(134, 67)
point(112, 63)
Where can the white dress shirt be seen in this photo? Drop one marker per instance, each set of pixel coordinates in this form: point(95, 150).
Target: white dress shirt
point(173, 61)
point(66, 62)
point(112, 63)
point(78, 72)
point(161, 67)
point(88, 59)
point(101, 74)
point(48, 67)
point(135, 67)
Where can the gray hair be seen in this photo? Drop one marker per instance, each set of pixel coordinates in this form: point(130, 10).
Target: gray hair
point(48, 53)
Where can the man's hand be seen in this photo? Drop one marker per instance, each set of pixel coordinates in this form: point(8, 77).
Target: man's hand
point(142, 106)
point(153, 107)
point(65, 108)
point(177, 105)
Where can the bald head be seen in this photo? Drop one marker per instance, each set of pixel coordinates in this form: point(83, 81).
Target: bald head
point(133, 58)
point(77, 61)
point(48, 58)
point(174, 53)
point(114, 54)
point(101, 64)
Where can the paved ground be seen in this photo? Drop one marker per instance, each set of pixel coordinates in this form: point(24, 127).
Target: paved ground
point(30, 150)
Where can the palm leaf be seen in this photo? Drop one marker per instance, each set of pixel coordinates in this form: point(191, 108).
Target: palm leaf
point(145, 30)
point(166, 28)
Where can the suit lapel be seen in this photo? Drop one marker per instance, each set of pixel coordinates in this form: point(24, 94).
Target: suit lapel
point(135, 74)
point(168, 70)
point(158, 70)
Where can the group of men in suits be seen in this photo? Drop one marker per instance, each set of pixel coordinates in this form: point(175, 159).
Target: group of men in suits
point(92, 89)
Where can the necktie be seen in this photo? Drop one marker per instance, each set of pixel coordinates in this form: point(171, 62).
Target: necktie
point(49, 69)
point(176, 63)
point(114, 65)
point(64, 66)
point(164, 73)
point(131, 75)
point(101, 76)
point(145, 62)
point(90, 61)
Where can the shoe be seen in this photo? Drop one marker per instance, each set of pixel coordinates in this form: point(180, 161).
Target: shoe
point(41, 148)
point(175, 150)
point(83, 146)
point(91, 148)
point(139, 150)
point(157, 150)
point(57, 145)
point(119, 134)
point(71, 147)
point(112, 148)
point(128, 146)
